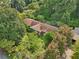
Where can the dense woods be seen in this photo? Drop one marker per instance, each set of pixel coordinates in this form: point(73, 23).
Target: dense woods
point(19, 41)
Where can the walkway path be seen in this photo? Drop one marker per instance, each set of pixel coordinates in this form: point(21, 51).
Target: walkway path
point(69, 53)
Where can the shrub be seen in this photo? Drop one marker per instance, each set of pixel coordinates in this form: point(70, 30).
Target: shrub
point(48, 37)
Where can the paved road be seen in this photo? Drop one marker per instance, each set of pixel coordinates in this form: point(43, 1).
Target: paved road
point(2, 55)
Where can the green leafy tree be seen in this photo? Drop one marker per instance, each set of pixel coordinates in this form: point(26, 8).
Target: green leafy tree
point(4, 3)
point(28, 2)
point(75, 14)
point(18, 4)
point(11, 27)
point(31, 9)
point(6, 45)
point(48, 37)
point(57, 10)
point(31, 46)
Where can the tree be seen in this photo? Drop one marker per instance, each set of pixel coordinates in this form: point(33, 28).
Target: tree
point(75, 14)
point(48, 37)
point(67, 32)
point(11, 27)
point(6, 45)
point(62, 39)
point(31, 9)
point(77, 9)
point(4, 3)
point(31, 46)
point(28, 2)
point(76, 50)
point(57, 10)
point(18, 5)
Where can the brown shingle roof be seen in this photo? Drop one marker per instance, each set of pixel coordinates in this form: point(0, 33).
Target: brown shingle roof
point(30, 22)
point(38, 26)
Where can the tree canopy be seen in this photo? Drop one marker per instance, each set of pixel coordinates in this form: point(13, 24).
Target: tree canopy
point(11, 27)
point(20, 41)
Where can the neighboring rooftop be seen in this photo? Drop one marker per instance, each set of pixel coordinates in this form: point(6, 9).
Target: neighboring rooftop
point(76, 33)
point(76, 30)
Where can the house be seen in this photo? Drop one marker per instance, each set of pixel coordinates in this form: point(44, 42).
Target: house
point(39, 26)
point(30, 22)
point(43, 28)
